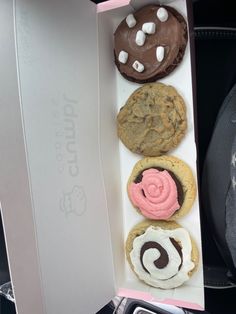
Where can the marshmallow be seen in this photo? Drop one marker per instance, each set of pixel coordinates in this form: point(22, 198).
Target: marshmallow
point(130, 20)
point(162, 14)
point(160, 51)
point(139, 67)
point(149, 28)
point(123, 56)
point(140, 38)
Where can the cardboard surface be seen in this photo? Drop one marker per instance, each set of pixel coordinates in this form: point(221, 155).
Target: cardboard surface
point(58, 69)
point(15, 198)
point(59, 210)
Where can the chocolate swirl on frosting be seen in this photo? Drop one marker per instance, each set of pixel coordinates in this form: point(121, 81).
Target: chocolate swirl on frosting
point(163, 259)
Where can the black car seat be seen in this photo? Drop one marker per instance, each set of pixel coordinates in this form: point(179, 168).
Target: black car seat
point(216, 103)
point(215, 47)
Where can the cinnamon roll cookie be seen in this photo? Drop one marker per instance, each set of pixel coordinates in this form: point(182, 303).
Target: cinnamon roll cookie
point(153, 120)
point(162, 188)
point(150, 43)
point(162, 254)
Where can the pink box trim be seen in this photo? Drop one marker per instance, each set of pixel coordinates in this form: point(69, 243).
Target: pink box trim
point(149, 298)
point(112, 4)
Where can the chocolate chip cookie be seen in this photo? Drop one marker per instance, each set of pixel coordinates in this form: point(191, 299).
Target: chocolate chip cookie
point(153, 120)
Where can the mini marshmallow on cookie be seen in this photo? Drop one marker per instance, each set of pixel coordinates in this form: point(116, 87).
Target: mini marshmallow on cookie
point(162, 14)
point(140, 38)
point(139, 67)
point(123, 56)
point(130, 20)
point(149, 28)
point(160, 53)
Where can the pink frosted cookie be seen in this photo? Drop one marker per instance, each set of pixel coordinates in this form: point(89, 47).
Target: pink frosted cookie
point(162, 188)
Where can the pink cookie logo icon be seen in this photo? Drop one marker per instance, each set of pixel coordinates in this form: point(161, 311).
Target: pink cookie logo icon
point(74, 202)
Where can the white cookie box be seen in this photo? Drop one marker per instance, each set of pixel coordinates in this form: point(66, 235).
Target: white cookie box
point(63, 170)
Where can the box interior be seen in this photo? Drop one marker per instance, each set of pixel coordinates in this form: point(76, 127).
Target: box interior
point(110, 103)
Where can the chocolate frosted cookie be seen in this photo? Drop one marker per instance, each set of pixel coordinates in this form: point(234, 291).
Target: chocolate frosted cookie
point(162, 188)
point(153, 120)
point(162, 254)
point(150, 43)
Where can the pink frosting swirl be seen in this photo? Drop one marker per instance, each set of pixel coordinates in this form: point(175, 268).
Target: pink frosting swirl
point(156, 195)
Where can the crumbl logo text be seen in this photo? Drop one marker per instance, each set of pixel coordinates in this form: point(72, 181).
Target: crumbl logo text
point(72, 200)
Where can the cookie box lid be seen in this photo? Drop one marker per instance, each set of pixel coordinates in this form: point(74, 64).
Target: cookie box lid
point(56, 172)
point(52, 192)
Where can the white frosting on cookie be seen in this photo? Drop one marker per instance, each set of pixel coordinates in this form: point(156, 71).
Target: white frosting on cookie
point(177, 267)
